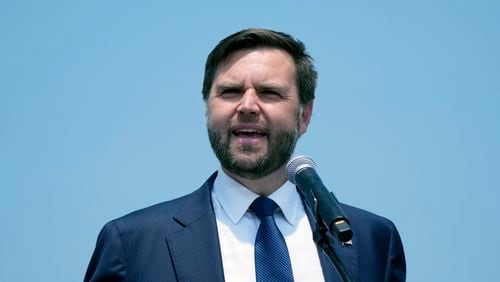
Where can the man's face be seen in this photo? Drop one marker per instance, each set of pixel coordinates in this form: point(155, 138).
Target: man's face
point(253, 114)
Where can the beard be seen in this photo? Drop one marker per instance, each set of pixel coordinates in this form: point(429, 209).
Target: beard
point(238, 159)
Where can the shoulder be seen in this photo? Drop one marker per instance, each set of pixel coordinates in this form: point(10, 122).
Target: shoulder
point(364, 217)
point(371, 229)
point(161, 215)
point(374, 232)
point(379, 240)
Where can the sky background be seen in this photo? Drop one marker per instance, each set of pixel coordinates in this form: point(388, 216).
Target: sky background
point(101, 114)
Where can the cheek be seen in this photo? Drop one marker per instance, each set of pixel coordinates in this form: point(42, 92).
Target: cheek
point(216, 119)
point(283, 118)
point(217, 110)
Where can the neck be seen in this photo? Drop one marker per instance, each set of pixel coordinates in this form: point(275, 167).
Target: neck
point(264, 186)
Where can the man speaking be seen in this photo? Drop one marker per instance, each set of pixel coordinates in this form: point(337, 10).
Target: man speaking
point(247, 222)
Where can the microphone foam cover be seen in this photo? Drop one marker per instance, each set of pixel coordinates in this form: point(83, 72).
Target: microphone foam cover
point(297, 164)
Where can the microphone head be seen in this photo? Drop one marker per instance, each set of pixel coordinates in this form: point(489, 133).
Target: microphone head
point(297, 164)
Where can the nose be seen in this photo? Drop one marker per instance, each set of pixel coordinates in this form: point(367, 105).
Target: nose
point(249, 103)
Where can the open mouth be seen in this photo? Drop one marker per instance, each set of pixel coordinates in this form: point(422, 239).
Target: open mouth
point(248, 133)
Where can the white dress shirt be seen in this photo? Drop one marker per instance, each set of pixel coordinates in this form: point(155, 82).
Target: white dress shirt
point(237, 229)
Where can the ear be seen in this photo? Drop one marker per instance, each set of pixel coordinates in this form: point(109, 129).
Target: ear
point(305, 117)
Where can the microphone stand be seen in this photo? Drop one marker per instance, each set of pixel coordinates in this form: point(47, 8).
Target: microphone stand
point(321, 238)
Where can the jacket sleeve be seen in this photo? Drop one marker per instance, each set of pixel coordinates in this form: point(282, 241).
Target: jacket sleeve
point(396, 265)
point(108, 261)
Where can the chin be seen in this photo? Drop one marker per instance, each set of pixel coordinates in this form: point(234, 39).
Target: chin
point(248, 160)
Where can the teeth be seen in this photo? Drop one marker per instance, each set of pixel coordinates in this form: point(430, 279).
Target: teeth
point(248, 130)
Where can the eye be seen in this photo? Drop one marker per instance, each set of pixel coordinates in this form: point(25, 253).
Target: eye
point(271, 95)
point(230, 93)
point(270, 92)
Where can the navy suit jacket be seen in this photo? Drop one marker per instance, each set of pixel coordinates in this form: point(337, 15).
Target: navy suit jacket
point(178, 241)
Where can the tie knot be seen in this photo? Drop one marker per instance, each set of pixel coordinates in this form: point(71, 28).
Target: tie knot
point(263, 206)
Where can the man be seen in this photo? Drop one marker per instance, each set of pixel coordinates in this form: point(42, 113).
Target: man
point(259, 90)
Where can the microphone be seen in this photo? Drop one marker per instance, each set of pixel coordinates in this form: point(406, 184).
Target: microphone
point(301, 172)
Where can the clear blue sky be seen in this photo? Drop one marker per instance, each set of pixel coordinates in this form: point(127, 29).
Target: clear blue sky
point(101, 114)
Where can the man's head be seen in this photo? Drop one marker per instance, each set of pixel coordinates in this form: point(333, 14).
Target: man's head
point(254, 38)
point(255, 108)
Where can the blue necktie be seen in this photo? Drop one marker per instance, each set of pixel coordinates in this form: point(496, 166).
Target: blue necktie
point(272, 262)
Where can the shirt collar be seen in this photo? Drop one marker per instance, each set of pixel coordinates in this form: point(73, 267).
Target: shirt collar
point(235, 199)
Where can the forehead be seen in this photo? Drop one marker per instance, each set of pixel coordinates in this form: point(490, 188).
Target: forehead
point(266, 62)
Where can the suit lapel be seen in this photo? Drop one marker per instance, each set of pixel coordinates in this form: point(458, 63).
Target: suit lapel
point(193, 241)
point(348, 254)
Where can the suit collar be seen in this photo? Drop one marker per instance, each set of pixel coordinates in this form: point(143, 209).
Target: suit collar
point(196, 204)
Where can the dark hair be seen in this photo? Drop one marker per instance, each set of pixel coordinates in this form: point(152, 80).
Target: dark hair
point(254, 38)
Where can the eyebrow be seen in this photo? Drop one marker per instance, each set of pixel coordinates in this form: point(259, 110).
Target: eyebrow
point(266, 86)
point(273, 87)
point(228, 85)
